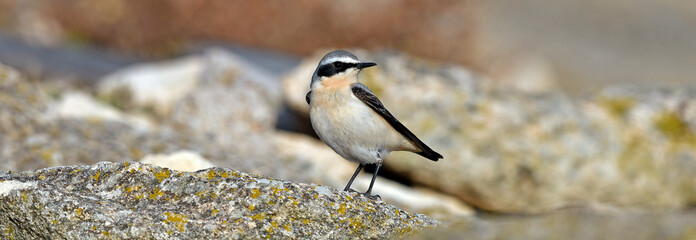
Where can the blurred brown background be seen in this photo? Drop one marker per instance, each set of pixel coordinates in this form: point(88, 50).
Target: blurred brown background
point(434, 29)
point(581, 45)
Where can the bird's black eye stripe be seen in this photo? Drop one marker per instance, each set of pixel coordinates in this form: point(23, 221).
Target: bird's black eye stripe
point(328, 70)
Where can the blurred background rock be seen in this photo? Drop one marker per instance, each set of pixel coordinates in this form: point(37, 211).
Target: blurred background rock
point(536, 105)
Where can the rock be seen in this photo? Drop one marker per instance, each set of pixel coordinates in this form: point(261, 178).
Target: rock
point(160, 86)
point(208, 123)
point(37, 133)
point(77, 130)
point(157, 86)
point(512, 150)
point(183, 161)
point(134, 200)
point(572, 224)
point(526, 73)
point(81, 105)
point(232, 104)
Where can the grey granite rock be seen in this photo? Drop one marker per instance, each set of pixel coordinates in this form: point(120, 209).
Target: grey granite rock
point(37, 132)
point(31, 138)
point(518, 151)
point(141, 201)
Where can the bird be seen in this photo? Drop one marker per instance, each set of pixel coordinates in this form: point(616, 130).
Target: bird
point(351, 120)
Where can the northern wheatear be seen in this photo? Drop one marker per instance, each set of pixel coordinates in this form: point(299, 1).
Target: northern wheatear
point(349, 118)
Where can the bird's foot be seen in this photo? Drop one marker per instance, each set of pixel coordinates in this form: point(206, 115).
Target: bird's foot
point(350, 190)
point(367, 195)
point(373, 197)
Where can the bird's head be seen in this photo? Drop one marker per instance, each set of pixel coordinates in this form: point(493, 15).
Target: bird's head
point(338, 64)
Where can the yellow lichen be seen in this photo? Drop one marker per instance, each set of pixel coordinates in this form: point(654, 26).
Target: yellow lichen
point(214, 212)
point(132, 188)
point(259, 216)
point(674, 127)
point(224, 175)
point(161, 175)
point(178, 219)
point(342, 209)
point(618, 106)
point(255, 193)
point(96, 176)
point(10, 231)
point(211, 174)
point(251, 207)
point(155, 194)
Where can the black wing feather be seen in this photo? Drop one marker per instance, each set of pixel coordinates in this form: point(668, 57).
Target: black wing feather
point(308, 97)
point(365, 95)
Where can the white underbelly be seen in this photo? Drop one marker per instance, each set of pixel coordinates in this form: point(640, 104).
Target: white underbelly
point(353, 130)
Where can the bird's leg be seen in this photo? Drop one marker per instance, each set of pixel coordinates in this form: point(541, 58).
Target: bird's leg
point(374, 176)
point(360, 167)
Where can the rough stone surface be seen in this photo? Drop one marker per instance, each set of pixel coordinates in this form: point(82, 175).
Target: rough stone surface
point(515, 151)
point(134, 200)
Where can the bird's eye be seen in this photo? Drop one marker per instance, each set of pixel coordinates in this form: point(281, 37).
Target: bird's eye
point(338, 65)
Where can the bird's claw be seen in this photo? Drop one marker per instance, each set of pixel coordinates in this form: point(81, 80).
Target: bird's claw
point(373, 197)
point(367, 195)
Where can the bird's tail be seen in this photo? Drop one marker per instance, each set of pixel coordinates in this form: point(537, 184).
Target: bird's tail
point(430, 154)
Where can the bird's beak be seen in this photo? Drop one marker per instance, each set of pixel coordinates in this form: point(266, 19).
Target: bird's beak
point(366, 65)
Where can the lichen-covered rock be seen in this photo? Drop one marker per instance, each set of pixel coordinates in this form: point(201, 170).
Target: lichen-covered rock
point(38, 133)
point(520, 151)
point(141, 201)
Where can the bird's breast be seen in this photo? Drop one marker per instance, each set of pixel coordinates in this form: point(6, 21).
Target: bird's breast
point(350, 127)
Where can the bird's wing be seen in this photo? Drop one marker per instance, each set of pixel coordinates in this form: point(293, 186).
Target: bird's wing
point(308, 97)
point(365, 95)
